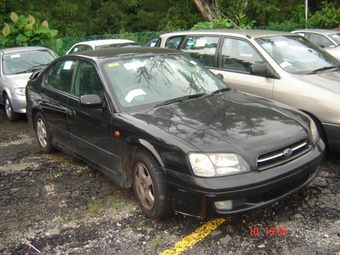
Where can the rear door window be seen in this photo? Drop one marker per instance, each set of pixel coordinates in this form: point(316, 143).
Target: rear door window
point(202, 48)
point(60, 75)
point(173, 42)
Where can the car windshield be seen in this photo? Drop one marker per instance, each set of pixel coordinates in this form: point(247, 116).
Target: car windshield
point(297, 54)
point(335, 37)
point(27, 61)
point(149, 81)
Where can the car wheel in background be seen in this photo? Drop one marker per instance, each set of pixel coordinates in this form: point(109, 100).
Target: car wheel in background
point(43, 134)
point(10, 114)
point(149, 186)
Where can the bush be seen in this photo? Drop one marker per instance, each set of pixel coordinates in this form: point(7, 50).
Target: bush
point(328, 17)
point(27, 31)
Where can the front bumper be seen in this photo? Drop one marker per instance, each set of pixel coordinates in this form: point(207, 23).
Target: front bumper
point(242, 193)
point(18, 104)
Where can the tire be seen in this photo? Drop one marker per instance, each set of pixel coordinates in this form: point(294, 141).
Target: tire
point(149, 186)
point(10, 114)
point(43, 134)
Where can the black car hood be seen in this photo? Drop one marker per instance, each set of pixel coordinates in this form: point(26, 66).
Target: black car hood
point(229, 122)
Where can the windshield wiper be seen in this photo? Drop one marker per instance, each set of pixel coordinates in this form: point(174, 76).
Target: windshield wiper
point(326, 68)
point(35, 68)
point(180, 99)
point(220, 90)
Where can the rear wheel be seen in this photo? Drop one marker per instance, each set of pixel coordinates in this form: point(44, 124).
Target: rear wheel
point(43, 134)
point(10, 114)
point(149, 186)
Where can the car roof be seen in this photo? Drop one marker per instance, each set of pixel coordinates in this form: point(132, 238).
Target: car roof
point(104, 42)
point(22, 49)
point(317, 30)
point(237, 32)
point(122, 52)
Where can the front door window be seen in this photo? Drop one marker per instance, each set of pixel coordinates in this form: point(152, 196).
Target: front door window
point(238, 55)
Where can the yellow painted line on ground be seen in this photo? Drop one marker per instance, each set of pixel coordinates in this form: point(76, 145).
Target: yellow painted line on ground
point(195, 237)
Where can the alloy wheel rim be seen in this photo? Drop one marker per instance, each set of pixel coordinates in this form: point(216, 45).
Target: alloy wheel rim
point(41, 132)
point(8, 108)
point(144, 186)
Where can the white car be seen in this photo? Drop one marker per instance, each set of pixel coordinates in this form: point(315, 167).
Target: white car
point(281, 66)
point(325, 38)
point(101, 44)
point(17, 65)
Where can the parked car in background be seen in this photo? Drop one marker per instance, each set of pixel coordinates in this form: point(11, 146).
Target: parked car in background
point(101, 44)
point(16, 66)
point(282, 66)
point(325, 38)
point(158, 121)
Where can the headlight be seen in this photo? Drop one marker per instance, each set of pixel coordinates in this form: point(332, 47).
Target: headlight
point(20, 91)
point(212, 165)
point(314, 131)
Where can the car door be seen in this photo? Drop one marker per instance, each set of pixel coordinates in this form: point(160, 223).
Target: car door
point(90, 128)
point(234, 58)
point(54, 95)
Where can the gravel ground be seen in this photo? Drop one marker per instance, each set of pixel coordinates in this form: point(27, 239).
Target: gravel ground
point(56, 204)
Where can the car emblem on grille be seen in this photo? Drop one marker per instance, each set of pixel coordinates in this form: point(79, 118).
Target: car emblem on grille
point(287, 152)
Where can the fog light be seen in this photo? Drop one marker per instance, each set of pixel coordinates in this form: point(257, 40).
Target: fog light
point(224, 205)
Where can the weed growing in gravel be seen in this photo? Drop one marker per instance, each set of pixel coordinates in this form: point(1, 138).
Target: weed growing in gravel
point(157, 242)
point(131, 209)
point(40, 216)
point(94, 207)
point(81, 169)
point(140, 223)
point(59, 220)
point(110, 204)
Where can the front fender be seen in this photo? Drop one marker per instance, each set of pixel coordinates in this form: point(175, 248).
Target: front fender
point(148, 146)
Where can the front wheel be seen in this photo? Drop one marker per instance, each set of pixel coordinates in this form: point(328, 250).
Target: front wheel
point(43, 134)
point(10, 114)
point(149, 186)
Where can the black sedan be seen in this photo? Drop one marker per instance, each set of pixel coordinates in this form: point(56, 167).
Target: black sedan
point(158, 121)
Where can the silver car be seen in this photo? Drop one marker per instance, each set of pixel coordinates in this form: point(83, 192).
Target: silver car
point(281, 66)
point(325, 38)
point(16, 66)
point(101, 44)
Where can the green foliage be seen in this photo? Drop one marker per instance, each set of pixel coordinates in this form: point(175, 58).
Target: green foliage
point(225, 23)
point(328, 17)
point(27, 31)
point(287, 25)
point(276, 13)
point(232, 16)
point(181, 15)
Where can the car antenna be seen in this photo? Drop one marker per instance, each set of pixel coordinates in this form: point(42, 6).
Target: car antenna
point(248, 36)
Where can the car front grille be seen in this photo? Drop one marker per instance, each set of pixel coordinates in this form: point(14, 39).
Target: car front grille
point(282, 155)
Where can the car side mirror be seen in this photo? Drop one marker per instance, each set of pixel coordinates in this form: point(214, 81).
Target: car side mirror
point(220, 76)
point(263, 70)
point(259, 70)
point(35, 74)
point(91, 101)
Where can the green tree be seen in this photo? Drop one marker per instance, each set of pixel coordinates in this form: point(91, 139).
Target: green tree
point(327, 17)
